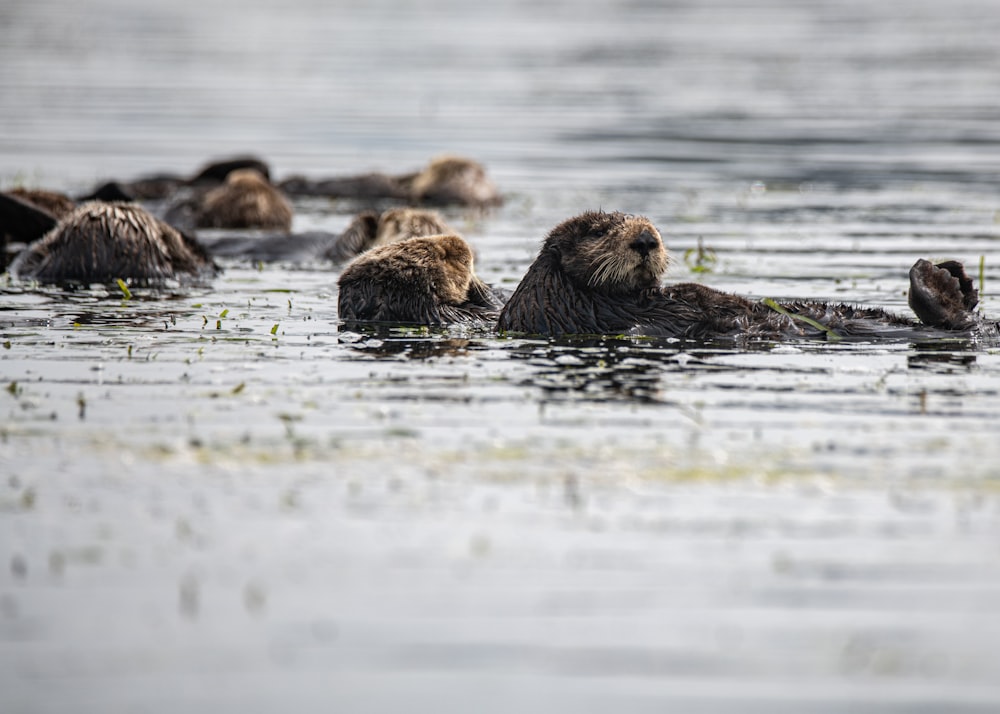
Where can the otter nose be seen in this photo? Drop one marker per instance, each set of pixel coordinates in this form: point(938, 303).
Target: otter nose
point(645, 243)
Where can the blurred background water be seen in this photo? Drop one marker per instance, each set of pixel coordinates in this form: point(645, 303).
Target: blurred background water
point(198, 514)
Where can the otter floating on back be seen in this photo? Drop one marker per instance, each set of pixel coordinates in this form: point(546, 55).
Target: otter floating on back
point(423, 281)
point(446, 180)
point(600, 273)
point(246, 199)
point(164, 185)
point(371, 229)
point(103, 242)
point(367, 230)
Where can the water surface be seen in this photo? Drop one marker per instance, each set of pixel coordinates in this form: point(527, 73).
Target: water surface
point(217, 500)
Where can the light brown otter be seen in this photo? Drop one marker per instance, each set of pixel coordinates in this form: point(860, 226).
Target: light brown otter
point(454, 180)
point(371, 229)
point(103, 242)
point(245, 200)
point(424, 281)
point(447, 180)
point(600, 273)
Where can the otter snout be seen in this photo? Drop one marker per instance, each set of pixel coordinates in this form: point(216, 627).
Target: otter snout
point(645, 243)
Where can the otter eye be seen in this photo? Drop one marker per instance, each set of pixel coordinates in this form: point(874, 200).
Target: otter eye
point(598, 231)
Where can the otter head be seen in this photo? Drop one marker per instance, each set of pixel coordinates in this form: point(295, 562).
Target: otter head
point(452, 271)
point(454, 179)
point(398, 224)
point(613, 253)
point(246, 179)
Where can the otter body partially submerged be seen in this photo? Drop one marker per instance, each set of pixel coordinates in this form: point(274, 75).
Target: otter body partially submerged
point(103, 242)
point(56, 204)
point(600, 273)
point(246, 199)
point(423, 281)
point(367, 230)
point(164, 185)
point(371, 229)
point(446, 180)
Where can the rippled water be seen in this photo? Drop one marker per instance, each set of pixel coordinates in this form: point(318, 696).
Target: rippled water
point(216, 500)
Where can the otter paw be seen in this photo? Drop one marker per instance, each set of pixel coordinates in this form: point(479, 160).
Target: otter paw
point(942, 295)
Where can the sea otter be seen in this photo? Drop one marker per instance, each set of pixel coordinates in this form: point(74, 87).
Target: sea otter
point(161, 186)
point(600, 273)
point(367, 230)
point(56, 204)
point(246, 199)
point(371, 229)
point(23, 220)
point(424, 281)
point(101, 242)
point(446, 180)
point(454, 180)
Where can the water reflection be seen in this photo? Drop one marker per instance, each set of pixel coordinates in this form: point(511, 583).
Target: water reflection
point(383, 341)
point(944, 356)
point(601, 370)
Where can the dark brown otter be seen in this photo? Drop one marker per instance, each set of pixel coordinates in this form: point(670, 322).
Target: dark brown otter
point(371, 229)
point(600, 273)
point(21, 222)
point(161, 186)
point(366, 187)
point(102, 242)
point(423, 281)
point(447, 180)
point(55, 203)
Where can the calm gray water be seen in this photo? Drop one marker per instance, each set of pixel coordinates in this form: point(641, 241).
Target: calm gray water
point(199, 514)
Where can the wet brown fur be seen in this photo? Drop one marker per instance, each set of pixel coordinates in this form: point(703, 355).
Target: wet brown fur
point(590, 277)
point(454, 180)
point(446, 180)
point(427, 281)
point(245, 200)
point(102, 242)
point(371, 229)
point(57, 204)
point(164, 185)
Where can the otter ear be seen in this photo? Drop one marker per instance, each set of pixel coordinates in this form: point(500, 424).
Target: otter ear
point(568, 233)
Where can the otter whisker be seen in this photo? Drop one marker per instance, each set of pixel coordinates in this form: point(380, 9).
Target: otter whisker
point(603, 271)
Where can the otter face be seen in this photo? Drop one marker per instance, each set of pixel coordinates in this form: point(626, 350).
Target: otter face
point(398, 224)
point(613, 253)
